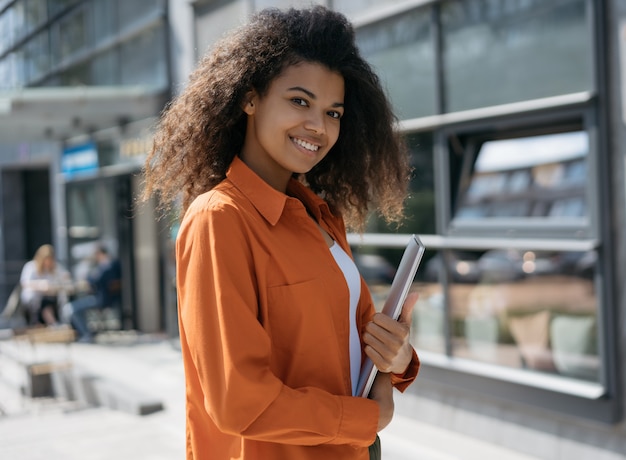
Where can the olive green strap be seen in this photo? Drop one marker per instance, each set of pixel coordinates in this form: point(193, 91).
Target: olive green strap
point(375, 453)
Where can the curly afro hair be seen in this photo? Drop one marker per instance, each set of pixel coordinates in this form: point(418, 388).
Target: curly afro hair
point(203, 128)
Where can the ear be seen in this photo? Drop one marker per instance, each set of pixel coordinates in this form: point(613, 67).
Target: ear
point(249, 102)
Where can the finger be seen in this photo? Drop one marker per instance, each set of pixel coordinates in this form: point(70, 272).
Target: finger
point(407, 308)
point(379, 361)
point(386, 346)
point(382, 326)
point(392, 338)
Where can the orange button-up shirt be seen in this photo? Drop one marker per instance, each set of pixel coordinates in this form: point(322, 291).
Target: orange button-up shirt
point(264, 327)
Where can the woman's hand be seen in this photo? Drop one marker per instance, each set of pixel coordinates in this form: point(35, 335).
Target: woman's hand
point(387, 341)
point(382, 393)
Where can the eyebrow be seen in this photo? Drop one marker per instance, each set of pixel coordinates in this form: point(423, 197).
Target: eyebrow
point(311, 95)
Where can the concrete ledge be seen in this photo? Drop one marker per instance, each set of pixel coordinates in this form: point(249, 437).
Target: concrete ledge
point(117, 396)
point(84, 388)
point(88, 389)
point(62, 385)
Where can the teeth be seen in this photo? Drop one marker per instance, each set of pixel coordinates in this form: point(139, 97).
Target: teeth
point(306, 145)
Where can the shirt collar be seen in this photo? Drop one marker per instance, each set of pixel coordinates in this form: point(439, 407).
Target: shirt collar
point(268, 201)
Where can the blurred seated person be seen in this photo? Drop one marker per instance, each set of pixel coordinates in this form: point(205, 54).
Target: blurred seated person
point(104, 291)
point(45, 285)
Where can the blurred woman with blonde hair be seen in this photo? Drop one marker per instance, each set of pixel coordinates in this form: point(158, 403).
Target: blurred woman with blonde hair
point(44, 285)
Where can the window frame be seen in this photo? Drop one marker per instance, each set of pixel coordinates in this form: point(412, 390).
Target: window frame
point(541, 122)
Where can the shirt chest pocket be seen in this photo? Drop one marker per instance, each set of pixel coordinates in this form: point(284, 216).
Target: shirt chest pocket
point(301, 322)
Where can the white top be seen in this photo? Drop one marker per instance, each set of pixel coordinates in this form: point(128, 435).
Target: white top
point(353, 279)
point(35, 285)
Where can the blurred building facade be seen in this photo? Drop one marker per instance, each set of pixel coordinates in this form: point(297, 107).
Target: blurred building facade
point(514, 113)
point(82, 83)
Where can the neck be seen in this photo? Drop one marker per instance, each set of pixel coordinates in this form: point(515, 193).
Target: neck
point(279, 182)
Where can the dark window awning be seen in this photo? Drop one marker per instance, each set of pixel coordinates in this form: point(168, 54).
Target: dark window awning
point(59, 113)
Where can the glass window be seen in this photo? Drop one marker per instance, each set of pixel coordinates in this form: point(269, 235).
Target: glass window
point(526, 309)
point(261, 4)
point(401, 50)
point(429, 313)
point(35, 14)
point(5, 73)
point(56, 6)
point(72, 33)
point(212, 21)
point(539, 177)
point(105, 68)
point(497, 52)
point(11, 71)
point(37, 56)
point(78, 75)
point(357, 7)
point(83, 206)
point(5, 30)
point(14, 19)
point(104, 19)
point(142, 59)
point(420, 204)
point(91, 217)
point(130, 12)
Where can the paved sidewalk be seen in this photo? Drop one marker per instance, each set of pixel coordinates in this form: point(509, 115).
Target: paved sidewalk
point(151, 365)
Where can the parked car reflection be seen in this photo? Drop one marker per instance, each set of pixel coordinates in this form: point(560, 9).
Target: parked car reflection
point(502, 265)
point(461, 266)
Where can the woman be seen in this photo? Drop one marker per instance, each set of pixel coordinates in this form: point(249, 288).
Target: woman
point(282, 137)
point(44, 285)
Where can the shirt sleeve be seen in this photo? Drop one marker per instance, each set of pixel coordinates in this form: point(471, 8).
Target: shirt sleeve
point(227, 352)
point(402, 381)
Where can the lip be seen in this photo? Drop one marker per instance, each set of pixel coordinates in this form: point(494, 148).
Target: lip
point(297, 141)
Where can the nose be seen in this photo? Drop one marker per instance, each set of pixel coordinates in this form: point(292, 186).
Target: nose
point(316, 123)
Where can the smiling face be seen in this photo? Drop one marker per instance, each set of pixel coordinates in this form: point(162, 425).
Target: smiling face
point(293, 126)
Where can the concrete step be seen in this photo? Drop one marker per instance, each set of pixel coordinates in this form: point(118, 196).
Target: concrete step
point(25, 379)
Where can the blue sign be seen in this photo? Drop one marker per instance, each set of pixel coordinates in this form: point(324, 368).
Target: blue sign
point(79, 159)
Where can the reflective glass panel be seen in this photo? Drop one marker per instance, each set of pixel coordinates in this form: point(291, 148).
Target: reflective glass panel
point(73, 33)
point(77, 75)
point(37, 56)
point(5, 30)
point(15, 20)
point(131, 12)
point(82, 210)
point(526, 309)
point(497, 52)
point(105, 68)
point(262, 4)
point(420, 203)
point(57, 6)
point(427, 330)
point(104, 19)
point(5, 73)
point(402, 53)
point(35, 14)
point(355, 8)
point(142, 61)
point(10, 71)
point(539, 177)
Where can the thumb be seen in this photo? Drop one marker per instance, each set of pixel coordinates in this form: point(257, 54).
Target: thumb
point(407, 308)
